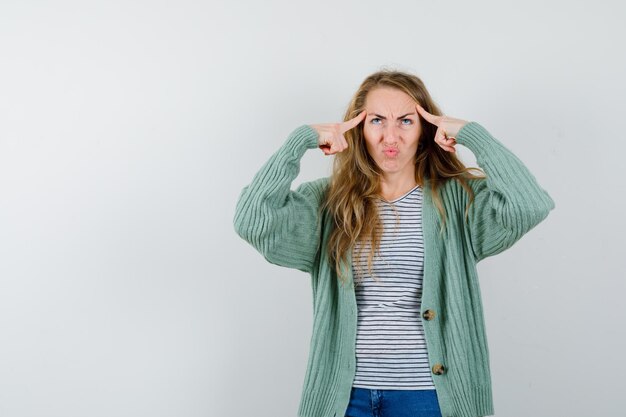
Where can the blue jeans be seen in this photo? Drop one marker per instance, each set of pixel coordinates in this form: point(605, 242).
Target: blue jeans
point(393, 403)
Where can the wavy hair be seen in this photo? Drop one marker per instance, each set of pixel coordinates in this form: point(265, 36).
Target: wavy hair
point(355, 181)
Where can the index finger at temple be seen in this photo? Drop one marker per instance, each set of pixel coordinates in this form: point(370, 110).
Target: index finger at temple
point(349, 124)
point(429, 117)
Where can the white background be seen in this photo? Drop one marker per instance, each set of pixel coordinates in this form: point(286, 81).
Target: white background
point(128, 128)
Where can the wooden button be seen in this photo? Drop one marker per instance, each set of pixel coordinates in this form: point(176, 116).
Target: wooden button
point(438, 369)
point(429, 314)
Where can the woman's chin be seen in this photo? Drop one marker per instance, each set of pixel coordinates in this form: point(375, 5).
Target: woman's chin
point(389, 167)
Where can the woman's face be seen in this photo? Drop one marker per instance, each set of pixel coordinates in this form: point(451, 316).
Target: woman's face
point(392, 130)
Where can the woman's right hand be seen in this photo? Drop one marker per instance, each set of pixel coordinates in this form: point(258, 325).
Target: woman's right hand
point(331, 140)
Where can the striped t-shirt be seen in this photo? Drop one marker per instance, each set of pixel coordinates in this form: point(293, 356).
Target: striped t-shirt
point(390, 346)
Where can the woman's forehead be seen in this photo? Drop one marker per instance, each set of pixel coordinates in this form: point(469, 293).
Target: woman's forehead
point(389, 100)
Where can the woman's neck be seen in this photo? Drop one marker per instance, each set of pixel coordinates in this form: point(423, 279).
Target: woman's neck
point(394, 187)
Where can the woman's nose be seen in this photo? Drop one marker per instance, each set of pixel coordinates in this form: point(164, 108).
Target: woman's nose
point(390, 134)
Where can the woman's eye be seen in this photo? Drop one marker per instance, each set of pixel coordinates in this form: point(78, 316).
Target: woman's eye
point(375, 120)
point(408, 121)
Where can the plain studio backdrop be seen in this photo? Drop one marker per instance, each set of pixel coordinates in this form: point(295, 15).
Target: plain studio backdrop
point(129, 128)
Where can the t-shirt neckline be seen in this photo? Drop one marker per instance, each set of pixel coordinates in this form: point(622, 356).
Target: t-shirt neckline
point(395, 200)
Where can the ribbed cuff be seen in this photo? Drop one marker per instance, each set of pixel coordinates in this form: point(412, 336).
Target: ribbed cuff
point(475, 137)
point(303, 137)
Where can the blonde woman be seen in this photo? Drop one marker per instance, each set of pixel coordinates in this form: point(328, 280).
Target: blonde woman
point(391, 241)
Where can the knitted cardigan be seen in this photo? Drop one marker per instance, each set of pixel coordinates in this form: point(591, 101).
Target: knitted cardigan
point(287, 228)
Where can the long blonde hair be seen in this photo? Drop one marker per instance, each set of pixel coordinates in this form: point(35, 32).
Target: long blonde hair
point(355, 181)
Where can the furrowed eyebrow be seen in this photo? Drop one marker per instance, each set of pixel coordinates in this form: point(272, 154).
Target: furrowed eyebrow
point(384, 118)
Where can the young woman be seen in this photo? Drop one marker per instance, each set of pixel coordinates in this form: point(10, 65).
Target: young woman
point(391, 240)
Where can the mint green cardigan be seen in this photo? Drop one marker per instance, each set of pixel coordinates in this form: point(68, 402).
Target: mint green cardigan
point(286, 227)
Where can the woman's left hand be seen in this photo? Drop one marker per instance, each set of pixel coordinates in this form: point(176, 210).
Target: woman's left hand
point(447, 128)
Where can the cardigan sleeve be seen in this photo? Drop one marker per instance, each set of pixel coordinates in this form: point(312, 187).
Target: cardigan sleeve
point(283, 224)
point(508, 203)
